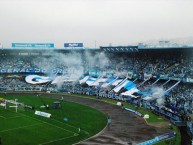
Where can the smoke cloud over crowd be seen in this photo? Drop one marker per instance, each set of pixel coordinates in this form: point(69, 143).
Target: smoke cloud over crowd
point(71, 65)
point(158, 95)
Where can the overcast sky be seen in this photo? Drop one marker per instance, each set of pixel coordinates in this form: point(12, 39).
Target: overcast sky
point(119, 22)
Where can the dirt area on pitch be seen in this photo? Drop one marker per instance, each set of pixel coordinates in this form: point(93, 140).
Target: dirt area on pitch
point(126, 128)
point(160, 124)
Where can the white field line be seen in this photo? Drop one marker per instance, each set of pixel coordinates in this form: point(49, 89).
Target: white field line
point(14, 117)
point(91, 136)
point(57, 139)
point(50, 124)
point(74, 133)
point(21, 127)
point(65, 123)
point(45, 122)
point(72, 126)
point(2, 117)
point(60, 127)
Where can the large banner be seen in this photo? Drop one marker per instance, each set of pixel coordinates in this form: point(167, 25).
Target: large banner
point(35, 70)
point(190, 80)
point(134, 111)
point(36, 79)
point(33, 45)
point(44, 114)
point(73, 45)
point(158, 139)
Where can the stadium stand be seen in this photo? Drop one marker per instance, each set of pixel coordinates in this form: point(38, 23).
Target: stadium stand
point(156, 79)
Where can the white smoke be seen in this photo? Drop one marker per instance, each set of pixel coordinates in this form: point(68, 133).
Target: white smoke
point(72, 63)
point(96, 60)
point(158, 95)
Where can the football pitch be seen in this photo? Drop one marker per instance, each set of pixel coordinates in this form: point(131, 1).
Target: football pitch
point(69, 124)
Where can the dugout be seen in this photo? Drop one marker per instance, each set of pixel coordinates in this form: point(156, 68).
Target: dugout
point(56, 105)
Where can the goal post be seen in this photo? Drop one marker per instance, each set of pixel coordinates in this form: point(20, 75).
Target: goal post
point(14, 105)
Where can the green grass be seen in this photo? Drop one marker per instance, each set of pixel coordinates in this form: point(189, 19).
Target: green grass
point(26, 128)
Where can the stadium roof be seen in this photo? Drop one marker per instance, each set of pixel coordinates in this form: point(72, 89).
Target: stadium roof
point(119, 48)
point(164, 47)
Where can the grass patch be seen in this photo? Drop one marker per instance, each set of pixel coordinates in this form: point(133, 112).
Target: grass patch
point(27, 128)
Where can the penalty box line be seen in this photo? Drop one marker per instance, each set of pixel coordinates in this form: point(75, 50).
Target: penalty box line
point(86, 132)
point(50, 124)
point(10, 117)
point(3, 117)
point(59, 139)
point(44, 122)
point(20, 127)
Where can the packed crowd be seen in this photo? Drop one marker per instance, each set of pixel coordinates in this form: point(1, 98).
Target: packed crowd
point(177, 99)
point(171, 64)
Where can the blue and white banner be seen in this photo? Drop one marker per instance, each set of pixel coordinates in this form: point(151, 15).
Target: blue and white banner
point(130, 93)
point(158, 139)
point(83, 80)
point(121, 85)
point(166, 136)
point(99, 81)
point(33, 45)
point(34, 70)
point(44, 114)
point(90, 81)
point(130, 85)
point(36, 79)
point(116, 82)
point(109, 81)
point(25, 70)
point(134, 111)
point(149, 142)
point(72, 45)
